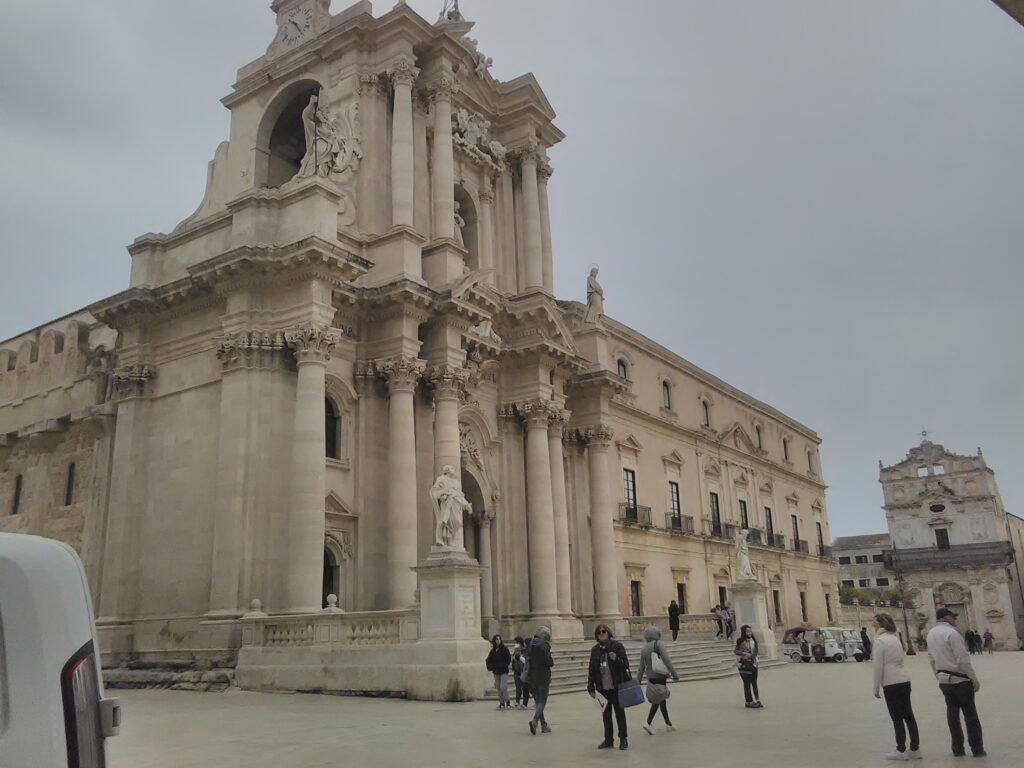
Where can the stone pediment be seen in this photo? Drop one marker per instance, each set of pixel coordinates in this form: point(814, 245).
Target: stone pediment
point(334, 504)
point(536, 322)
point(711, 469)
point(629, 444)
point(738, 437)
point(929, 454)
point(673, 459)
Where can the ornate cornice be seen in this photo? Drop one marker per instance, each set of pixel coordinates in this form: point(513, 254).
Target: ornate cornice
point(311, 344)
point(252, 349)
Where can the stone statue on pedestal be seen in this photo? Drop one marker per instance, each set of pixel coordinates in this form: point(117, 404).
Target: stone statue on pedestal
point(744, 571)
point(449, 504)
point(595, 298)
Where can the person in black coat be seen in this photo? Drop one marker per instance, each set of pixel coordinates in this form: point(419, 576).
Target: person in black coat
point(866, 642)
point(498, 661)
point(539, 672)
point(673, 619)
point(609, 666)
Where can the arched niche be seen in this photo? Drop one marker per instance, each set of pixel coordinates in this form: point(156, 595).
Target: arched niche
point(281, 138)
point(469, 231)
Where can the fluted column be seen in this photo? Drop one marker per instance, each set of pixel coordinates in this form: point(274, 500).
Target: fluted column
point(304, 577)
point(486, 583)
point(602, 529)
point(401, 373)
point(539, 510)
point(547, 268)
point(531, 217)
point(487, 229)
point(563, 571)
point(448, 383)
point(443, 159)
point(403, 75)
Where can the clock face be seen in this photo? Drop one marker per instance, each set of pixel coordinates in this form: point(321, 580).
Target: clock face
point(297, 25)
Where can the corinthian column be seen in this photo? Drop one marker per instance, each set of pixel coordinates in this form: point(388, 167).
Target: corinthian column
point(531, 217)
point(547, 268)
point(487, 229)
point(443, 159)
point(602, 529)
point(448, 383)
point(563, 574)
point(402, 374)
point(486, 585)
point(403, 74)
point(539, 511)
point(304, 578)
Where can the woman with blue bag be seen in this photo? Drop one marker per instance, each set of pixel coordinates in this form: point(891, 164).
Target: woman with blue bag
point(609, 676)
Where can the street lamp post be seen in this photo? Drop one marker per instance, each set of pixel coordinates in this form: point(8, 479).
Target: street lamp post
point(906, 626)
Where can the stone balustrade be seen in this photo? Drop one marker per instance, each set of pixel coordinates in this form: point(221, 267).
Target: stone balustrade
point(690, 624)
point(331, 629)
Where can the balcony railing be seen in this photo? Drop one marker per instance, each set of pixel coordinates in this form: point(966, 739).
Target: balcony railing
point(679, 523)
point(755, 536)
point(721, 530)
point(923, 558)
point(634, 514)
point(800, 545)
point(824, 552)
point(776, 540)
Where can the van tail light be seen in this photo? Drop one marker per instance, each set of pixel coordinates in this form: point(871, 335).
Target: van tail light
point(88, 719)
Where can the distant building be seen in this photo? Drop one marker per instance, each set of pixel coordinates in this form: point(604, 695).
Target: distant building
point(862, 561)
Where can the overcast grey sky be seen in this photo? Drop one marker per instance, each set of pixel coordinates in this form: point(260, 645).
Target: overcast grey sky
point(818, 201)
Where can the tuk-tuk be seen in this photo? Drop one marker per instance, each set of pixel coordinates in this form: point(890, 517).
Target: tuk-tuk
point(849, 641)
point(806, 643)
point(795, 643)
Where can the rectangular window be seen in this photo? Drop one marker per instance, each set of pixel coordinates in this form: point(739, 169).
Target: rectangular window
point(673, 502)
point(635, 597)
point(723, 596)
point(16, 501)
point(796, 532)
point(810, 462)
point(803, 606)
point(821, 536)
point(942, 538)
point(864, 583)
point(769, 525)
point(878, 558)
point(881, 582)
point(862, 559)
point(666, 395)
point(716, 516)
point(785, 449)
point(828, 607)
point(629, 493)
point(706, 413)
point(922, 471)
point(777, 603)
point(849, 583)
point(844, 560)
point(938, 469)
point(744, 521)
point(681, 597)
point(69, 487)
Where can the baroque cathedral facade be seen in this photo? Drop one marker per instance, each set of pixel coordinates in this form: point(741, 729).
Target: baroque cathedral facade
point(364, 297)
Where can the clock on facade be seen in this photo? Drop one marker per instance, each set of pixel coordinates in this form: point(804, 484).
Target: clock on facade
point(297, 25)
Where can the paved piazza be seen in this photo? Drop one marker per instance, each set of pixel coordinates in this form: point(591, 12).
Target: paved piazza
point(815, 715)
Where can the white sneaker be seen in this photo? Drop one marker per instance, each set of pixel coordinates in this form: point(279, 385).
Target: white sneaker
point(649, 729)
point(670, 728)
point(913, 754)
point(896, 756)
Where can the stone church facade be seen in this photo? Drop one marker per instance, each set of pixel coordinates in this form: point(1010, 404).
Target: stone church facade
point(363, 297)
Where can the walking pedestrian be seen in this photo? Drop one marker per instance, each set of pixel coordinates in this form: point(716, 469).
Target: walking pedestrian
point(498, 662)
point(747, 651)
point(518, 668)
point(894, 681)
point(539, 663)
point(673, 619)
point(729, 616)
point(969, 640)
point(989, 641)
point(951, 663)
point(719, 620)
point(609, 666)
point(867, 643)
point(656, 662)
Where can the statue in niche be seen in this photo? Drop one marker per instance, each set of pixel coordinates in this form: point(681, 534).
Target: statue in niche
point(460, 224)
point(744, 570)
point(449, 504)
point(595, 298)
point(331, 150)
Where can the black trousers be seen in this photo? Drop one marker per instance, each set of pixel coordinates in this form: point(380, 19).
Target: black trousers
point(675, 633)
point(654, 710)
point(960, 698)
point(620, 715)
point(897, 699)
point(750, 686)
point(721, 627)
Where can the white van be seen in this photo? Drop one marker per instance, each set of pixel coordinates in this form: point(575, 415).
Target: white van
point(53, 713)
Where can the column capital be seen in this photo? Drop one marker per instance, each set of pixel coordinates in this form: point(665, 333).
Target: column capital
point(527, 152)
point(252, 349)
point(402, 72)
point(558, 419)
point(311, 344)
point(487, 192)
point(597, 436)
point(402, 372)
point(443, 88)
point(132, 380)
point(544, 171)
point(448, 381)
point(536, 413)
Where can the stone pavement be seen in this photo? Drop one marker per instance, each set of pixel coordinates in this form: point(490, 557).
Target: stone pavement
point(820, 715)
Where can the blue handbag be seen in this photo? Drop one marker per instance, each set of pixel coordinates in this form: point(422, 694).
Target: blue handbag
point(630, 693)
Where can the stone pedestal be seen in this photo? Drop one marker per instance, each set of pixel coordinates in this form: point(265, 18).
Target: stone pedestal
point(750, 600)
point(450, 643)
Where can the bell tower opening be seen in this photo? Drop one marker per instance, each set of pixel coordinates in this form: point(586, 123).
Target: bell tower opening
point(281, 141)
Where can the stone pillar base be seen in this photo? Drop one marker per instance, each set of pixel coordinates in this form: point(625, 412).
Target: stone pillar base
point(443, 262)
point(398, 251)
point(750, 600)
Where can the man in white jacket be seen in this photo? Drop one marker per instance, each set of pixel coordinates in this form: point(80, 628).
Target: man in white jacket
point(951, 663)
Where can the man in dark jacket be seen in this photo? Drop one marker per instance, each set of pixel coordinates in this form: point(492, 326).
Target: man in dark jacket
point(540, 665)
point(609, 666)
point(673, 619)
point(866, 642)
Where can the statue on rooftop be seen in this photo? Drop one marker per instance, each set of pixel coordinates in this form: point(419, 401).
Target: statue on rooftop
point(595, 298)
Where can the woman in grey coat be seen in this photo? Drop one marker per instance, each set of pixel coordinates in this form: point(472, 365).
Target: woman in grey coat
point(657, 678)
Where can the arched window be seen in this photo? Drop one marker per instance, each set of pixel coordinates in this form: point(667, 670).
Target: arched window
point(810, 461)
point(332, 430)
point(666, 395)
point(623, 367)
point(16, 502)
point(760, 439)
point(69, 487)
point(706, 412)
point(785, 448)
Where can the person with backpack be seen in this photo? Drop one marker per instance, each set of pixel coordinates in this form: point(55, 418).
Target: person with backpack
point(519, 673)
point(673, 619)
point(498, 661)
point(656, 662)
point(609, 666)
point(539, 664)
point(746, 649)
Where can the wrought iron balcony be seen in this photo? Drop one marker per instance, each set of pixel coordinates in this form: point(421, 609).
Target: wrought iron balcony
point(924, 558)
point(755, 536)
point(679, 523)
point(800, 545)
point(776, 540)
point(721, 530)
point(824, 552)
point(634, 514)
